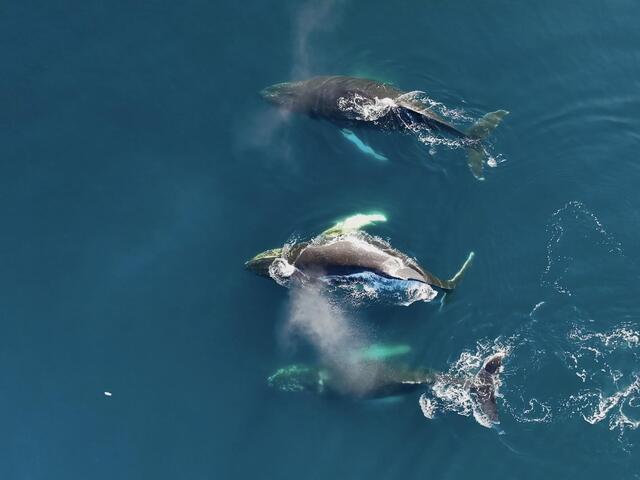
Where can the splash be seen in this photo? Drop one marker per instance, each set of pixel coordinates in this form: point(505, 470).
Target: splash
point(427, 406)
point(570, 224)
point(367, 287)
point(451, 392)
point(454, 114)
point(623, 336)
point(606, 363)
point(620, 408)
point(356, 289)
point(281, 271)
point(606, 404)
point(362, 108)
point(535, 411)
point(385, 112)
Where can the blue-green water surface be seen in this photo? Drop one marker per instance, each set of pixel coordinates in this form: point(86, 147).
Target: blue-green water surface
point(139, 169)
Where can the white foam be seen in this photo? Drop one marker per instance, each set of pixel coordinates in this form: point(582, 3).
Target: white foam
point(281, 271)
point(451, 392)
point(567, 219)
point(456, 114)
point(359, 107)
point(622, 336)
point(427, 406)
point(605, 404)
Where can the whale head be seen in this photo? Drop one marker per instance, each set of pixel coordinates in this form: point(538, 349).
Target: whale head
point(286, 95)
point(260, 263)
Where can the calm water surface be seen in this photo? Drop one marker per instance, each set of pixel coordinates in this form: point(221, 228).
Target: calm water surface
point(139, 169)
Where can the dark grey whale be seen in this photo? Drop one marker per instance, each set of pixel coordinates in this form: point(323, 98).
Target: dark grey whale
point(352, 253)
point(342, 100)
point(345, 248)
point(389, 380)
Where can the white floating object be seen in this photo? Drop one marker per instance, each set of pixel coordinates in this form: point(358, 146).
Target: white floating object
point(107, 394)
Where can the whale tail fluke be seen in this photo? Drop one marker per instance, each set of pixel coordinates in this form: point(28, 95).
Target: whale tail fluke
point(476, 153)
point(487, 124)
point(483, 390)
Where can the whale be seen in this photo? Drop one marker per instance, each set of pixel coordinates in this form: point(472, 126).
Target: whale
point(356, 102)
point(386, 379)
point(346, 253)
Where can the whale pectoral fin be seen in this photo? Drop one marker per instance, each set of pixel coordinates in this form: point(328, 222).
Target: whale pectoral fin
point(453, 282)
point(381, 352)
point(362, 146)
point(353, 223)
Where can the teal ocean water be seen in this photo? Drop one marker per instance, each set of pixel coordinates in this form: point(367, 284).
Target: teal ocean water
point(140, 169)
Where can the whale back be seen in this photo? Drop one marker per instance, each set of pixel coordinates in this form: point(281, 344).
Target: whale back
point(353, 254)
point(322, 96)
point(356, 101)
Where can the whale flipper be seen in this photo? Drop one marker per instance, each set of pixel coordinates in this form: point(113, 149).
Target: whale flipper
point(381, 352)
point(476, 154)
point(353, 223)
point(453, 282)
point(360, 145)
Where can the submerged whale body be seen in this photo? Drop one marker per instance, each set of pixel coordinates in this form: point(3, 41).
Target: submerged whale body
point(385, 380)
point(342, 255)
point(351, 102)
